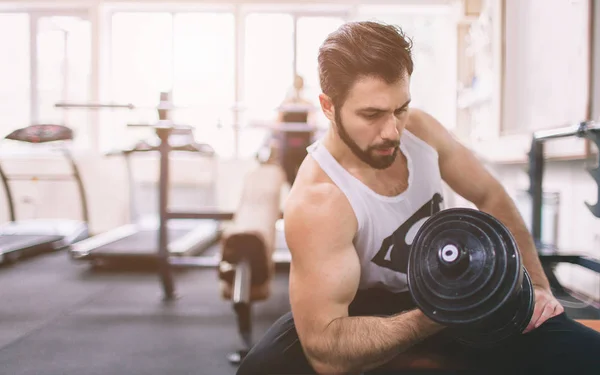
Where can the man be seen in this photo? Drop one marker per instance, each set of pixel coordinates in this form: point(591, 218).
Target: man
point(379, 169)
point(289, 147)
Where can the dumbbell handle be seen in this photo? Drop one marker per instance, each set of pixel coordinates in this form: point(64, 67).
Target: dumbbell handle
point(241, 283)
point(241, 299)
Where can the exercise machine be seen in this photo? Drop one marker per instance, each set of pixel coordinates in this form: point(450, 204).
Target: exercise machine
point(287, 140)
point(20, 238)
point(251, 247)
point(248, 255)
point(137, 243)
point(550, 256)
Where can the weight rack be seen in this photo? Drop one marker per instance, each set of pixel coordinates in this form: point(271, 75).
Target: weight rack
point(587, 130)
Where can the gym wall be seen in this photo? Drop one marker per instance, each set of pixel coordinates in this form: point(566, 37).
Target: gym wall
point(546, 82)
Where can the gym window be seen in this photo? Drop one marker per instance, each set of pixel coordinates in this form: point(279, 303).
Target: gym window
point(49, 62)
point(228, 65)
point(191, 54)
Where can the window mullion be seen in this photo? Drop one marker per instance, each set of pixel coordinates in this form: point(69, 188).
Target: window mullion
point(33, 68)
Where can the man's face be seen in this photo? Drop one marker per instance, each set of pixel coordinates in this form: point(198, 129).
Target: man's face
point(372, 119)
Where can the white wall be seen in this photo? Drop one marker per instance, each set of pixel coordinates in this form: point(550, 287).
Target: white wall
point(546, 85)
point(546, 64)
point(596, 63)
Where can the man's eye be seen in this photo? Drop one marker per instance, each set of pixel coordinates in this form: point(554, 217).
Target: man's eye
point(371, 116)
point(400, 112)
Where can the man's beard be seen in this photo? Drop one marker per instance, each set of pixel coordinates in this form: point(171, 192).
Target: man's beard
point(368, 156)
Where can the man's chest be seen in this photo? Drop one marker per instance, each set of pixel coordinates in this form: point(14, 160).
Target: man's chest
point(391, 182)
point(390, 245)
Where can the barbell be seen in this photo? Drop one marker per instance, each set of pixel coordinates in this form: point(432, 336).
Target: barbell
point(465, 272)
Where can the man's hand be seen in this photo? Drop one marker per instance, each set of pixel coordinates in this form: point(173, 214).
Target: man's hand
point(546, 307)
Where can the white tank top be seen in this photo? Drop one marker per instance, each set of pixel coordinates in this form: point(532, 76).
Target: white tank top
point(388, 225)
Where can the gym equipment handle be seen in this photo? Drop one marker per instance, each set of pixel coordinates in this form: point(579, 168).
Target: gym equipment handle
point(565, 132)
point(92, 105)
point(241, 285)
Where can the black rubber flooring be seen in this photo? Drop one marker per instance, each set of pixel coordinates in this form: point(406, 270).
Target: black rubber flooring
point(61, 318)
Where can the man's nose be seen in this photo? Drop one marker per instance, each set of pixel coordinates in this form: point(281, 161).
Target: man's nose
point(390, 130)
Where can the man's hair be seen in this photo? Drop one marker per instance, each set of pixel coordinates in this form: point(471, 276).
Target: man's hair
point(362, 49)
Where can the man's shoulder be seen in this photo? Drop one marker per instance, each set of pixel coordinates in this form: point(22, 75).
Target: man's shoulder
point(315, 194)
point(426, 127)
point(310, 193)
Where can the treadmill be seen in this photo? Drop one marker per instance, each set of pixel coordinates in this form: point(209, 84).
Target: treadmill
point(137, 243)
point(23, 238)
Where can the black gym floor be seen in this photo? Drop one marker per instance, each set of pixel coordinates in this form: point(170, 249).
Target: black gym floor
point(59, 317)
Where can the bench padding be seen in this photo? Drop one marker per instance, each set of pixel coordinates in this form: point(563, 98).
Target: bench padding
point(252, 232)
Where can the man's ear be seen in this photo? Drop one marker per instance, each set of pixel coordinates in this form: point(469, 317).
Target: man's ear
point(327, 107)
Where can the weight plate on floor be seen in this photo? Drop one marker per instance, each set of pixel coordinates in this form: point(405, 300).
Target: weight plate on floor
point(463, 266)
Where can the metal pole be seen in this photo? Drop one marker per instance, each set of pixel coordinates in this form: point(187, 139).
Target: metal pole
point(80, 185)
point(68, 105)
point(241, 300)
point(575, 130)
point(536, 175)
point(164, 268)
point(9, 197)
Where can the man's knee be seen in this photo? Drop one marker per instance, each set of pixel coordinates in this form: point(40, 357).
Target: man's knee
point(277, 352)
point(264, 354)
point(571, 331)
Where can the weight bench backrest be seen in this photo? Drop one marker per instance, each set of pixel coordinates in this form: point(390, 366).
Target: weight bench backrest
point(251, 235)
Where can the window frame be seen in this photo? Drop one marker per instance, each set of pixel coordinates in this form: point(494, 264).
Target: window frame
point(99, 14)
point(240, 12)
point(35, 13)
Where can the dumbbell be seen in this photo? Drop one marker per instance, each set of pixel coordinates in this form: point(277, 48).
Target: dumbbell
point(465, 272)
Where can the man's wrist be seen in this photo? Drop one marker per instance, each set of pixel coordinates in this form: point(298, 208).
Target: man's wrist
point(426, 322)
point(538, 279)
point(543, 286)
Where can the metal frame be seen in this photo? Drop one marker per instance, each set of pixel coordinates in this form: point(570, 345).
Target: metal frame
point(164, 264)
point(191, 240)
point(9, 197)
point(80, 187)
point(76, 176)
point(588, 130)
point(35, 14)
point(42, 242)
point(241, 272)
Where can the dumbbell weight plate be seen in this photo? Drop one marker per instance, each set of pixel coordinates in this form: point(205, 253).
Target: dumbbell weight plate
point(512, 318)
point(463, 266)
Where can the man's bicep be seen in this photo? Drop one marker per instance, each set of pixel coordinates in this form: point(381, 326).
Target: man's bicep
point(325, 269)
point(322, 287)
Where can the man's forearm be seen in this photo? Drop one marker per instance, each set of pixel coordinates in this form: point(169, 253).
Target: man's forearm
point(357, 344)
point(503, 208)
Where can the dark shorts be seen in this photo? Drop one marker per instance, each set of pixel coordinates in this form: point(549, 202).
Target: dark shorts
point(559, 346)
